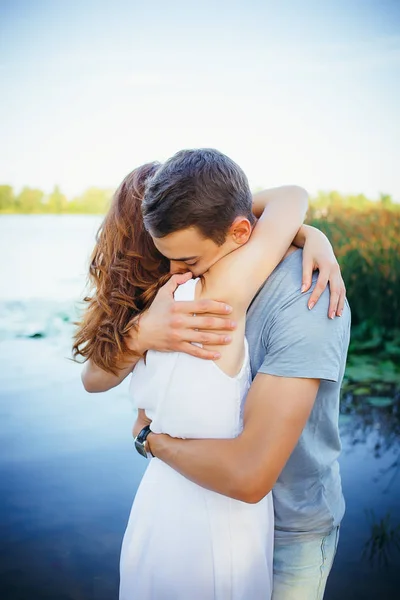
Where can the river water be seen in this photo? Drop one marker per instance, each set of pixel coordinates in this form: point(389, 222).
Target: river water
point(68, 472)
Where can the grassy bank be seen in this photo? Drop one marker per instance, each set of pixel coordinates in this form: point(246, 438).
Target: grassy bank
point(367, 244)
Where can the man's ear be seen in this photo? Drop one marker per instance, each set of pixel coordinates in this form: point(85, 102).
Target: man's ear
point(240, 230)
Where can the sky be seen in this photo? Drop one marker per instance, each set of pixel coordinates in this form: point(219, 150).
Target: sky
point(303, 92)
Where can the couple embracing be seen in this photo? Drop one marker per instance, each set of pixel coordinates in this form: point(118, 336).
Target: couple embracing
point(208, 297)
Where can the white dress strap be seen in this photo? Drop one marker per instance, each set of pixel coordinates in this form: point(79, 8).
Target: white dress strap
point(187, 290)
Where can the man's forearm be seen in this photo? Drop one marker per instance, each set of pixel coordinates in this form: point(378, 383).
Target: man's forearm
point(222, 465)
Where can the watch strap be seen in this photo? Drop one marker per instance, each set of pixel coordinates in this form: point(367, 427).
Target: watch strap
point(143, 433)
point(141, 443)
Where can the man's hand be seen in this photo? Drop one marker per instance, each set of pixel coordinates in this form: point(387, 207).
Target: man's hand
point(170, 326)
point(318, 254)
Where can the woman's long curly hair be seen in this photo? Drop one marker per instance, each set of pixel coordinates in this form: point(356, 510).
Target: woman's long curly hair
point(126, 271)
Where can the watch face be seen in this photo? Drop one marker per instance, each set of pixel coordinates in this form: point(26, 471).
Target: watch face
point(140, 448)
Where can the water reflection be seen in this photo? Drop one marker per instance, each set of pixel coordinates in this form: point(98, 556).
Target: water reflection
point(68, 475)
point(384, 539)
point(374, 421)
point(368, 559)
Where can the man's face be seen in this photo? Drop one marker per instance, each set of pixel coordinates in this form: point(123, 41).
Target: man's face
point(188, 250)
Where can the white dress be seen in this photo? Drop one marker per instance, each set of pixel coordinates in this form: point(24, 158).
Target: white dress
point(184, 542)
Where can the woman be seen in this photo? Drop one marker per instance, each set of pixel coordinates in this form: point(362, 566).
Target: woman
point(191, 541)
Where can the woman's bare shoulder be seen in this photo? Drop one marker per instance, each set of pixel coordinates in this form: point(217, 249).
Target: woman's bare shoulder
point(221, 282)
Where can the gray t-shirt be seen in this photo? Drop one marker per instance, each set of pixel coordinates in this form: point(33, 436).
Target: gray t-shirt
point(288, 340)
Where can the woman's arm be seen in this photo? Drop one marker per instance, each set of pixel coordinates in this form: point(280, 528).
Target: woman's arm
point(263, 198)
point(95, 379)
point(241, 273)
point(318, 254)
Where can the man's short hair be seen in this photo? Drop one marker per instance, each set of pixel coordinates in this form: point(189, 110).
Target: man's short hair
point(200, 188)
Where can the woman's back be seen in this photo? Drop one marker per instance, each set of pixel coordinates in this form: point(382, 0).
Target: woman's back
point(189, 397)
point(184, 541)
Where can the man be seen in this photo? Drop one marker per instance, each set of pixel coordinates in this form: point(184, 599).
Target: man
point(298, 358)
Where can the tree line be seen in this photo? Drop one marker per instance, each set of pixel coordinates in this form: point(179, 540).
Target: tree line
point(96, 201)
point(35, 201)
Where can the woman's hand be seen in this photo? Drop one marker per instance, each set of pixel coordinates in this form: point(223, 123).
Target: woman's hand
point(318, 254)
point(169, 326)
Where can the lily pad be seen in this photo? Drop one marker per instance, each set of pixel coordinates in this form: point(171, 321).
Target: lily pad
point(362, 391)
point(371, 344)
point(367, 372)
point(381, 387)
point(389, 372)
point(392, 349)
point(344, 419)
point(380, 401)
point(364, 373)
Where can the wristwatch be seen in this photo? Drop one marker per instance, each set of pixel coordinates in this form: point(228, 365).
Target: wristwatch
point(141, 443)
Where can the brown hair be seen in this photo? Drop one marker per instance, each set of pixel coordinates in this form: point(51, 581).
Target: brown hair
point(125, 273)
point(201, 188)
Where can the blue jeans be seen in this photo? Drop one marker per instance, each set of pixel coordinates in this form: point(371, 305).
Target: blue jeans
point(301, 568)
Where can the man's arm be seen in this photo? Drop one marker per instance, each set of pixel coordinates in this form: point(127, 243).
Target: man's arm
point(304, 347)
point(246, 467)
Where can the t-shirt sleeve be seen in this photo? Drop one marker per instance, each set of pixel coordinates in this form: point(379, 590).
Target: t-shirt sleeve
point(306, 343)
